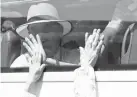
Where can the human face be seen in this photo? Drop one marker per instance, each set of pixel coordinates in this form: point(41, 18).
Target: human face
point(50, 34)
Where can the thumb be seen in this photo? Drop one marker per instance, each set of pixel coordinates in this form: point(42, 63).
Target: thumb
point(42, 67)
point(81, 50)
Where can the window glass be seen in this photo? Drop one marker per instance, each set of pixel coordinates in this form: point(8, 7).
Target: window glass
point(116, 19)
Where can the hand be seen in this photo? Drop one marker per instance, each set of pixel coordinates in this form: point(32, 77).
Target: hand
point(35, 67)
point(93, 44)
point(31, 45)
point(35, 71)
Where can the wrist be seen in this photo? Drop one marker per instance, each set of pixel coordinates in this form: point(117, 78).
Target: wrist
point(29, 86)
point(87, 71)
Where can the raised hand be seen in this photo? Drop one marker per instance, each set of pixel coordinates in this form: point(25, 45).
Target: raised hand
point(93, 44)
point(31, 44)
point(35, 71)
point(84, 81)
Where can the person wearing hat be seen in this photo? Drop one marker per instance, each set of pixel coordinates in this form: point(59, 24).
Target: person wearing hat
point(46, 25)
point(50, 28)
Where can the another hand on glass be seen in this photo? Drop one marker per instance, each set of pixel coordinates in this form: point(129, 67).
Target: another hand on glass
point(93, 44)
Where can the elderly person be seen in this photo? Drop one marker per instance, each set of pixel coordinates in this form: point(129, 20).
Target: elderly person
point(84, 81)
point(47, 25)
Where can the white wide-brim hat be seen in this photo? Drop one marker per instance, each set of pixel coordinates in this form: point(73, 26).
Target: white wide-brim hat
point(49, 14)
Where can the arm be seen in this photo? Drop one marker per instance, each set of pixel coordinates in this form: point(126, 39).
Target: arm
point(114, 27)
point(35, 68)
point(123, 16)
point(121, 19)
point(84, 82)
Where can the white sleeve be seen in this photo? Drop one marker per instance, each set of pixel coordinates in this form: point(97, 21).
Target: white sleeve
point(114, 23)
point(84, 82)
point(20, 62)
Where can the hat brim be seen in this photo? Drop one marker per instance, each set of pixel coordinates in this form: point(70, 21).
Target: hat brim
point(23, 32)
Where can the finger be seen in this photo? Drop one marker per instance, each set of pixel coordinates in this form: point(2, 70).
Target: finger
point(41, 46)
point(28, 48)
point(95, 41)
point(94, 31)
point(86, 36)
point(29, 43)
point(101, 37)
point(98, 49)
point(82, 56)
point(39, 40)
point(91, 38)
point(33, 39)
point(42, 67)
point(39, 57)
point(88, 42)
point(81, 50)
point(27, 57)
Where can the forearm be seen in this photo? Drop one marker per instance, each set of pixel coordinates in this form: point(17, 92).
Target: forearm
point(114, 27)
point(85, 83)
point(30, 90)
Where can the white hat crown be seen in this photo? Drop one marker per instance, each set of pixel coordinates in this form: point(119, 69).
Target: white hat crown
point(49, 14)
point(45, 9)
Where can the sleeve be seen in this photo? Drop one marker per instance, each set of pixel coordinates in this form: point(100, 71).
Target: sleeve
point(115, 23)
point(84, 82)
point(27, 94)
point(121, 19)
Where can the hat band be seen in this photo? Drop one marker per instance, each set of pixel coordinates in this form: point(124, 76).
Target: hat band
point(41, 17)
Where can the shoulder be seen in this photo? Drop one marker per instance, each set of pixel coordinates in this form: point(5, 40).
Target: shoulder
point(20, 61)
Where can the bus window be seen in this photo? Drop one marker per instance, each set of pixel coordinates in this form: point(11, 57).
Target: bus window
point(116, 19)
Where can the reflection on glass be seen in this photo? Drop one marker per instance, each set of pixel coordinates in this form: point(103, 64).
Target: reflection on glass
point(120, 38)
